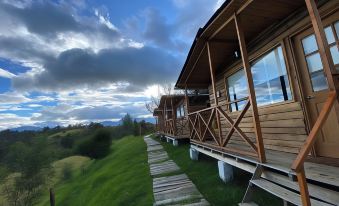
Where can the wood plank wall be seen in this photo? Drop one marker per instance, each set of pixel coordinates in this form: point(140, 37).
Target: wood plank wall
point(283, 125)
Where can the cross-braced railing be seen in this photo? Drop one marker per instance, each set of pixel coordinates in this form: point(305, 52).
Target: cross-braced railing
point(170, 127)
point(182, 128)
point(201, 128)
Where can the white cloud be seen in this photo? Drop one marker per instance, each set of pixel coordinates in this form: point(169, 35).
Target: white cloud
point(6, 74)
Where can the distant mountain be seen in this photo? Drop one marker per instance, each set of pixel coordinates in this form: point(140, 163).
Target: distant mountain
point(26, 128)
point(116, 123)
point(110, 123)
point(149, 119)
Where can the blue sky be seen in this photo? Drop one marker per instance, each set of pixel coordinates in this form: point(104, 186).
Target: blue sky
point(65, 62)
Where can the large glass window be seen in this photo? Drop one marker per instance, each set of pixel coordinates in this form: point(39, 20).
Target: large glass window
point(270, 78)
point(270, 81)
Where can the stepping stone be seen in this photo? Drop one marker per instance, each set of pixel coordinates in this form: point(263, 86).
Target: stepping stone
point(176, 190)
point(154, 148)
point(171, 190)
point(163, 167)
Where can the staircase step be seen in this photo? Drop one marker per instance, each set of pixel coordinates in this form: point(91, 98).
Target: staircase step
point(315, 191)
point(283, 193)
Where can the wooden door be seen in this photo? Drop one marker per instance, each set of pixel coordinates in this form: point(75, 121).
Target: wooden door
point(314, 83)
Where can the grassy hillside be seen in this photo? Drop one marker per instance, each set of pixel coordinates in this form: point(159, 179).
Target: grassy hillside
point(204, 174)
point(122, 178)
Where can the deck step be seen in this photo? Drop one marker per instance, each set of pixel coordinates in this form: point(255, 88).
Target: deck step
point(315, 191)
point(284, 193)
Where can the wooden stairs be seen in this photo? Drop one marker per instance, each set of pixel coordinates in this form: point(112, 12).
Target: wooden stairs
point(287, 189)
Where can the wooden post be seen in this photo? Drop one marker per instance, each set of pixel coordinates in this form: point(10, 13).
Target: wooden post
point(305, 197)
point(173, 118)
point(212, 72)
point(252, 97)
point(186, 101)
point(324, 49)
point(51, 197)
point(187, 110)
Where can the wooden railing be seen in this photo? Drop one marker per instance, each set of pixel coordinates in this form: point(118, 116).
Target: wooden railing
point(181, 127)
point(298, 164)
point(201, 129)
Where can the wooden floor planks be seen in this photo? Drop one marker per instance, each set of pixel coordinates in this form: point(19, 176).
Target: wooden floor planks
point(174, 189)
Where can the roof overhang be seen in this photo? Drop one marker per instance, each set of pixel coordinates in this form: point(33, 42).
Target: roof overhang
point(257, 17)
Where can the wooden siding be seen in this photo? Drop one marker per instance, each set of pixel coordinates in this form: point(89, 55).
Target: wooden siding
point(283, 125)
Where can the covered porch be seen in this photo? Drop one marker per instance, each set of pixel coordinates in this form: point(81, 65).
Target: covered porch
point(274, 138)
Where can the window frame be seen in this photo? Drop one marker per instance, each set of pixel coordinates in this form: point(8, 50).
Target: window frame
point(180, 107)
point(255, 57)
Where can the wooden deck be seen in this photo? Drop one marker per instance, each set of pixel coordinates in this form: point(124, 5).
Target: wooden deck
point(282, 162)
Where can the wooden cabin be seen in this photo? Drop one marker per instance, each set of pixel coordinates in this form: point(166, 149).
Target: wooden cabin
point(171, 114)
point(271, 68)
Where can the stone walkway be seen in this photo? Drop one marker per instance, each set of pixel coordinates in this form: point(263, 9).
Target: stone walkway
point(169, 189)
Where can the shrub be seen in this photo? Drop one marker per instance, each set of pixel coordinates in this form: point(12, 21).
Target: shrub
point(98, 146)
point(67, 171)
point(67, 142)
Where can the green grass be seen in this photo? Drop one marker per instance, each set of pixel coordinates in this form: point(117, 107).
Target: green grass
point(204, 174)
point(122, 178)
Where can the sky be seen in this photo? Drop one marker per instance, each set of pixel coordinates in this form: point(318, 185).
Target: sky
point(76, 61)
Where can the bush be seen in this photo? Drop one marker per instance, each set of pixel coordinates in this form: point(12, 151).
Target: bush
point(97, 146)
point(67, 171)
point(67, 142)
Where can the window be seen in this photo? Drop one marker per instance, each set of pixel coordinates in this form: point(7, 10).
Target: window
point(313, 59)
point(180, 111)
point(270, 78)
point(237, 89)
point(270, 81)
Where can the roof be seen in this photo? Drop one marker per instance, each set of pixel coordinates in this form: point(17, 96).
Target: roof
point(257, 17)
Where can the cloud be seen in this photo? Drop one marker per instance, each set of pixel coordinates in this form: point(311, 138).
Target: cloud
point(13, 98)
point(6, 74)
point(78, 68)
point(87, 64)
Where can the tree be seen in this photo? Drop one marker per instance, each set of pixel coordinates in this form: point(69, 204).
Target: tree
point(67, 141)
point(98, 146)
point(165, 89)
point(95, 125)
point(127, 122)
point(31, 163)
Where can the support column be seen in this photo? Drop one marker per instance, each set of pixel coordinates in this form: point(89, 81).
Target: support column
point(194, 154)
point(175, 142)
point(251, 91)
point(212, 72)
point(225, 171)
point(324, 50)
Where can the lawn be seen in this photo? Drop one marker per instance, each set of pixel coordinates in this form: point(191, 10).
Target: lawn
point(204, 174)
point(122, 178)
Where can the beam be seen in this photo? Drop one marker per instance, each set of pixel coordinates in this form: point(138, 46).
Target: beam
point(251, 91)
point(195, 63)
point(246, 4)
point(187, 101)
point(212, 72)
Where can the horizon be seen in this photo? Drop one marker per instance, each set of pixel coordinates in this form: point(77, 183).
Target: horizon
point(80, 61)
